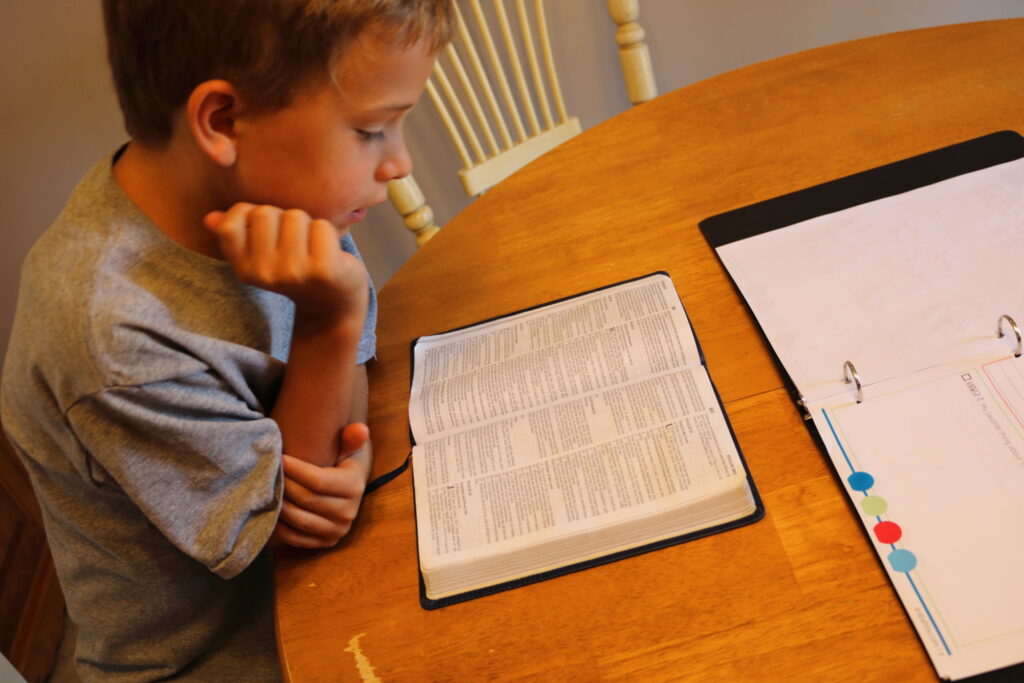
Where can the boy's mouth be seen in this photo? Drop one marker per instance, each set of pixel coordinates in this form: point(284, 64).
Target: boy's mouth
point(358, 215)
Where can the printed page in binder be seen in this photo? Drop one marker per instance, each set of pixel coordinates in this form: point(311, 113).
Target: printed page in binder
point(911, 289)
point(934, 463)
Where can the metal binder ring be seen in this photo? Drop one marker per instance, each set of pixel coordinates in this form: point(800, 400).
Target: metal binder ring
point(850, 375)
point(802, 402)
point(1016, 331)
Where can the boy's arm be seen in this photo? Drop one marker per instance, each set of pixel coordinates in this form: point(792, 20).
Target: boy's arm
point(316, 396)
point(289, 253)
point(321, 503)
point(322, 405)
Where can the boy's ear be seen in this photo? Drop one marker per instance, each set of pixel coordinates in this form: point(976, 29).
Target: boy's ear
point(212, 111)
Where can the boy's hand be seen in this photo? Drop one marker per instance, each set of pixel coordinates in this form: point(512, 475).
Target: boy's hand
point(292, 254)
point(320, 503)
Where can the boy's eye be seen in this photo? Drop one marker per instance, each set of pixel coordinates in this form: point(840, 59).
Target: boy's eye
point(371, 135)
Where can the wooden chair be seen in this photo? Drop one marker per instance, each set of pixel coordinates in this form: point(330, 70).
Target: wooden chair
point(31, 601)
point(499, 124)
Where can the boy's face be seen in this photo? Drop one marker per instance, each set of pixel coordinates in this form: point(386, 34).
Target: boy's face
point(332, 150)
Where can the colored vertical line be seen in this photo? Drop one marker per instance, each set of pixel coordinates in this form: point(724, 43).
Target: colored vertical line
point(929, 613)
point(840, 443)
point(999, 393)
point(913, 585)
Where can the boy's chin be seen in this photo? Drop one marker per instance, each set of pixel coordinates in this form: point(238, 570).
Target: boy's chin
point(342, 227)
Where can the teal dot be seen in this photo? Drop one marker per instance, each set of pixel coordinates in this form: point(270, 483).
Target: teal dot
point(860, 481)
point(874, 505)
point(902, 560)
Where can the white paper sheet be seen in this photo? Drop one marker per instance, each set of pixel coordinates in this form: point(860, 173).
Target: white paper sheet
point(944, 449)
point(900, 284)
point(910, 289)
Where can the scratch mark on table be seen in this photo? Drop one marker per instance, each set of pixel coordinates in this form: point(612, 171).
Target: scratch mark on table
point(363, 665)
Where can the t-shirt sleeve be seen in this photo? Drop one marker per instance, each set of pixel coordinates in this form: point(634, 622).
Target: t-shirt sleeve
point(368, 342)
point(202, 465)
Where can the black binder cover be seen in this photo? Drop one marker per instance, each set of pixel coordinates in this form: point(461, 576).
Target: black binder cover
point(430, 604)
point(861, 188)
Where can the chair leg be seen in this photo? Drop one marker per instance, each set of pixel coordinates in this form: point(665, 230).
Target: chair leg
point(633, 52)
point(409, 202)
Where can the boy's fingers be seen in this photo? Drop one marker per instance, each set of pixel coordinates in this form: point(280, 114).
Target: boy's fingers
point(305, 483)
point(306, 522)
point(212, 219)
point(301, 480)
point(230, 229)
point(354, 437)
point(323, 238)
point(294, 234)
point(264, 226)
point(301, 472)
point(285, 534)
point(300, 494)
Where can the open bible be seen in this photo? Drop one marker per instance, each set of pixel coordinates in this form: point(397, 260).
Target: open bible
point(567, 435)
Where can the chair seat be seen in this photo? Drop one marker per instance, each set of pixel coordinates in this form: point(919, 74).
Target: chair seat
point(480, 177)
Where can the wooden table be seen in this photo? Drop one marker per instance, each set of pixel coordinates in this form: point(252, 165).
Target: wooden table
point(799, 595)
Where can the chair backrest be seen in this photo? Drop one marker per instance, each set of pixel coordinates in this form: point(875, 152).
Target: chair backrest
point(497, 93)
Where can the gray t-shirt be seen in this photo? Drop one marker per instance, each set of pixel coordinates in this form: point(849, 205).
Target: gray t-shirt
point(137, 389)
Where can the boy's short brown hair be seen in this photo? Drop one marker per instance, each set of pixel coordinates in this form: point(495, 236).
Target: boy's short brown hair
point(160, 50)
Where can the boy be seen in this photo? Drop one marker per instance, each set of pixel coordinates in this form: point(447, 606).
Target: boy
point(145, 385)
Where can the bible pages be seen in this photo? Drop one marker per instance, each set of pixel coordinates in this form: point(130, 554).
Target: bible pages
point(567, 435)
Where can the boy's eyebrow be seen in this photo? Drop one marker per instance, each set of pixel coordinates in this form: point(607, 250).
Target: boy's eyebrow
point(385, 108)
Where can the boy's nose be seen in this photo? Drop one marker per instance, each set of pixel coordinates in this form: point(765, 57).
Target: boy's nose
point(397, 164)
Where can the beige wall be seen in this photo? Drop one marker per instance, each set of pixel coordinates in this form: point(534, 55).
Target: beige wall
point(59, 115)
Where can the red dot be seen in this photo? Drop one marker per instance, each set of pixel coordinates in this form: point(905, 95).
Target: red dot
point(888, 532)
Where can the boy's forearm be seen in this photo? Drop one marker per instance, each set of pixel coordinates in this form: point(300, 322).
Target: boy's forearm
point(292, 254)
point(359, 411)
point(316, 397)
point(359, 408)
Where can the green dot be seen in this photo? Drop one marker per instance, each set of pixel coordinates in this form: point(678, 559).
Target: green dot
point(874, 505)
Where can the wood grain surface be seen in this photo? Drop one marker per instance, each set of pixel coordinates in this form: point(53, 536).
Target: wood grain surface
point(799, 595)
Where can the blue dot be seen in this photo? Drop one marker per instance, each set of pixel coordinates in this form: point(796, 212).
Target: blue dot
point(902, 560)
point(860, 481)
